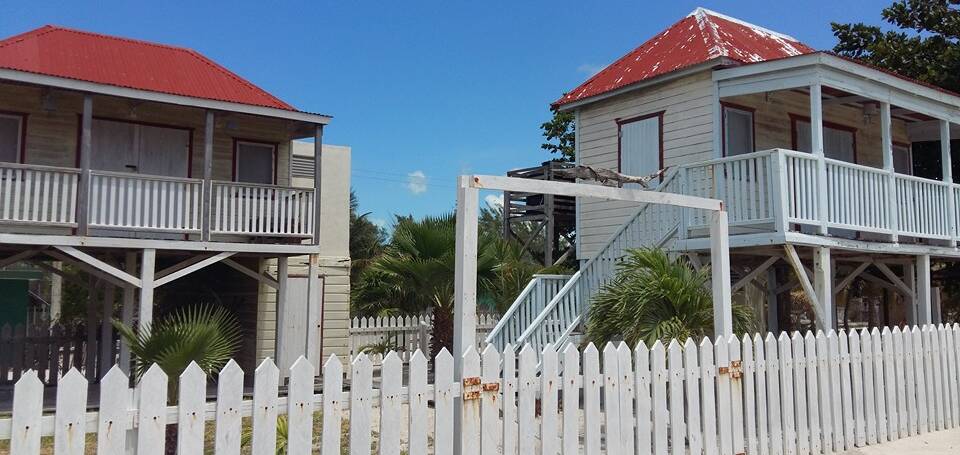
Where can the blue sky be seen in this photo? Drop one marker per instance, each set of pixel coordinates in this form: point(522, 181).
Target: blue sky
point(422, 91)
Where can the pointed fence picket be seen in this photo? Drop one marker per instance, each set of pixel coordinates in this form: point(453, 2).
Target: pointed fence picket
point(793, 394)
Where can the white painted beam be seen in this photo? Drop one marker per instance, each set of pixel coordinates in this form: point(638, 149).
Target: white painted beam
point(315, 304)
point(193, 268)
point(886, 149)
point(947, 167)
point(100, 265)
point(317, 182)
point(93, 271)
point(267, 279)
point(493, 182)
point(754, 273)
point(816, 146)
point(794, 259)
point(86, 150)
point(21, 256)
point(852, 276)
point(139, 244)
point(897, 282)
point(126, 312)
point(207, 174)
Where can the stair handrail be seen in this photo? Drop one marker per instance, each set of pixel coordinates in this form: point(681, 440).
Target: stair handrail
point(671, 175)
point(518, 302)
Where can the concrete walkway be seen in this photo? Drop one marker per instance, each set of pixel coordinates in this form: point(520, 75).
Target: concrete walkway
point(936, 443)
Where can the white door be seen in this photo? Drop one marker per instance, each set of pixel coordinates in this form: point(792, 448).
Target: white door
point(640, 147)
point(141, 149)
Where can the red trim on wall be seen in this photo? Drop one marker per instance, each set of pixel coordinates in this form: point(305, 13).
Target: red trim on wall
point(23, 132)
point(837, 126)
point(723, 123)
point(621, 122)
point(276, 152)
point(188, 129)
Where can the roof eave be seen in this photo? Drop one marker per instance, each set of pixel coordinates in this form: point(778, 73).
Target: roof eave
point(666, 77)
point(147, 95)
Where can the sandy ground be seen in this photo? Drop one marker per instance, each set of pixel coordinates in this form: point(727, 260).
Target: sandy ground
point(936, 443)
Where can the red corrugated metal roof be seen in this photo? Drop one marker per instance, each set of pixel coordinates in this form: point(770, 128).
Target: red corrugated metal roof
point(700, 37)
point(123, 62)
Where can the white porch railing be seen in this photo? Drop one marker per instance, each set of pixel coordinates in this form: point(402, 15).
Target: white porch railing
point(145, 202)
point(48, 196)
point(375, 336)
point(240, 208)
point(525, 308)
point(805, 393)
point(42, 195)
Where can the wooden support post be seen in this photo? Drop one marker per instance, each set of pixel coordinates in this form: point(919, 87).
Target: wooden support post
point(802, 275)
point(314, 312)
point(106, 328)
point(283, 273)
point(317, 171)
point(720, 267)
point(551, 231)
point(886, 144)
point(924, 314)
point(56, 293)
point(126, 313)
point(945, 160)
point(781, 191)
point(816, 146)
point(465, 285)
point(935, 305)
point(823, 286)
point(910, 283)
point(86, 149)
point(90, 360)
point(773, 317)
point(206, 209)
point(147, 266)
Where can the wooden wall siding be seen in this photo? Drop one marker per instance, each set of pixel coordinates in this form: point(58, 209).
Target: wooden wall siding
point(774, 129)
point(687, 137)
point(52, 136)
point(336, 309)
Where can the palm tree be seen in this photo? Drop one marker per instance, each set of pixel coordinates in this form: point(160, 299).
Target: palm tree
point(206, 334)
point(653, 297)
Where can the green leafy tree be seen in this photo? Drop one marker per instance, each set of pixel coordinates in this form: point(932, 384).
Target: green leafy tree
point(366, 240)
point(653, 297)
point(560, 133)
point(924, 46)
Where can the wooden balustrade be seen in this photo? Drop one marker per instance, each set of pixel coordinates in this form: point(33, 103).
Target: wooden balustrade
point(239, 208)
point(41, 195)
point(144, 202)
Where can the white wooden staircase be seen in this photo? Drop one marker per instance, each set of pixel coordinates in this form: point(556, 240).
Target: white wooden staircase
point(552, 308)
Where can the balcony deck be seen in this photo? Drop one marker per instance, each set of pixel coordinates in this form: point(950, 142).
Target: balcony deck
point(778, 195)
point(44, 200)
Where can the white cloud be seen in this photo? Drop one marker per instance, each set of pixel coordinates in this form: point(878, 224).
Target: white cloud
point(589, 69)
point(494, 200)
point(379, 222)
point(417, 182)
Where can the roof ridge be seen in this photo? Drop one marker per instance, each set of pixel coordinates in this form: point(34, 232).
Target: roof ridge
point(701, 11)
point(192, 52)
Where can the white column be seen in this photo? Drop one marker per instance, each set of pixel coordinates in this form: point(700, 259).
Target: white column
point(206, 209)
point(56, 292)
point(126, 313)
point(823, 286)
point(720, 268)
point(924, 315)
point(283, 275)
point(86, 148)
point(317, 152)
point(314, 312)
point(910, 279)
point(816, 146)
point(946, 161)
point(146, 287)
point(465, 285)
point(886, 144)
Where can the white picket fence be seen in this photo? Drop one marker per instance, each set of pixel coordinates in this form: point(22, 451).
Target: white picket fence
point(404, 334)
point(808, 394)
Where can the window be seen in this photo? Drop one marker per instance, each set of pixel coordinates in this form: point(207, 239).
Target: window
point(255, 162)
point(839, 142)
point(125, 146)
point(902, 159)
point(640, 145)
point(11, 135)
point(737, 131)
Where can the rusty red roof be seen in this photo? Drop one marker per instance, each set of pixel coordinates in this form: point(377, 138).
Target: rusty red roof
point(700, 37)
point(123, 62)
